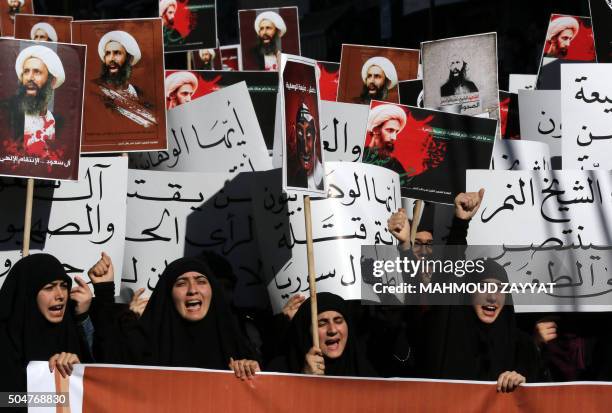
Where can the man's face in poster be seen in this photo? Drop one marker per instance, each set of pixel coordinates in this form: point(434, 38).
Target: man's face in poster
point(14, 6)
point(41, 35)
point(455, 66)
point(376, 81)
point(116, 68)
point(268, 36)
point(562, 42)
point(385, 136)
point(206, 57)
point(168, 17)
point(306, 138)
point(184, 94)
point(35, 86)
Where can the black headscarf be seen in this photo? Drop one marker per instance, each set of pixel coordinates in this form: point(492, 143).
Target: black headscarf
point(25, 334)
point(170, 340)
point(460, 346)
point(352, 362)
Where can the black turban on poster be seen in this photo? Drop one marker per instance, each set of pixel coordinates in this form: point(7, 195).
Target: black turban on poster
point(25, 334)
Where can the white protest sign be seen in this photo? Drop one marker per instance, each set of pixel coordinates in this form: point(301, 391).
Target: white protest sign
point(361, 198)
point(543, 208)
point(74, 221)
point(518, 82)
point(343, 130)
point(515, 155)
point(218, 132)
point(580, 276)
point(586, 107)
point(175, 214)
point(540, 118)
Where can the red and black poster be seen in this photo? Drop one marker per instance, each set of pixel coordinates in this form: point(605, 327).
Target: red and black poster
point(188, 24)
point(41, 108)
point(329, 73)
point(303, 169)
point(509, 115)
point(430, 150)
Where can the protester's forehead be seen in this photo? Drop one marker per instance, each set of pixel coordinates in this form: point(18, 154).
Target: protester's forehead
point(191, 274)
point(329, 315)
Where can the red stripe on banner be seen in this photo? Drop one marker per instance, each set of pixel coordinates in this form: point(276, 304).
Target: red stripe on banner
point(108, 389)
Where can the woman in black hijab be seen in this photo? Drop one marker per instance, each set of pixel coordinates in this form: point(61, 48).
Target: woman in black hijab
point(36, 320)
point(187, 322)
point(480, 340)
point(339, 353)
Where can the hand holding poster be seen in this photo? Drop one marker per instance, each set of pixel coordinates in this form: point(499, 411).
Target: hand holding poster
point(586, 95)
point(125, 85)
point(303, 164)
point(361, 199)
point(40, 119)
point(215, 133)
point(75, 221)
point(430, 150)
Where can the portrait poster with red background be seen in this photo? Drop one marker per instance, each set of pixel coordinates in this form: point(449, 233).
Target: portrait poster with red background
point(303, 164)
point(262, 87)
point(432, 150)
point(52, 152)
point(191, 25)
point(329, 73)
point(116, 120)
point(8, 10)
point(24, 23)
point(580, 50)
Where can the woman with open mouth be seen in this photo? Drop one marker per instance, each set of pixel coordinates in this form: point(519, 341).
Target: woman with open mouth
point(338, 354)
point(480, 340)
point(38, 320)
point(186, 323)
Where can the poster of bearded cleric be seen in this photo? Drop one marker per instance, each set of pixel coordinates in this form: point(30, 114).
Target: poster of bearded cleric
point(569, 39)
point(303, 170)
point(188, 24)
point(8, 10)
point(41, 105)
point(371, 73)
point(124, 87)
point(460, 75)
point(43, 28)
point(429, 149)
point(265, 34)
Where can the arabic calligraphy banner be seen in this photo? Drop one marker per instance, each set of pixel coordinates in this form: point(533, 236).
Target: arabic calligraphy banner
point(176, 214)
point(218, 132)
point(75, 221)
point(586, 107)
point(540, 119)
point(343, 127)
point(121, 388)
point(360, 200)
point(520, 155)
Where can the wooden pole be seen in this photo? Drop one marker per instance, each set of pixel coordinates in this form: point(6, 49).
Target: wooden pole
point(27, 224)
point(311, 273)
point(416, 219)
